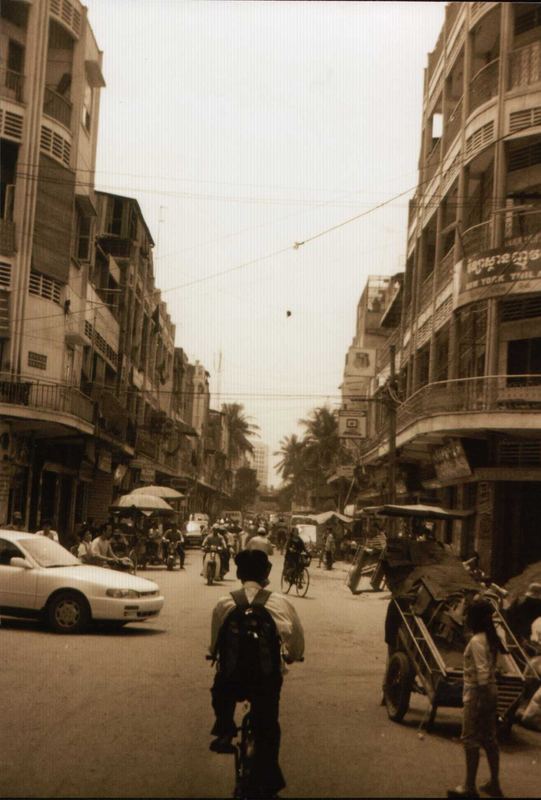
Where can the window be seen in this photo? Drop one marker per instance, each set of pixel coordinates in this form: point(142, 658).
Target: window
point(84, 231)
point(44, 287)
point(87, 108)
point(7, 552)
point(115, 212)
point(524, 360)
point(37, 360)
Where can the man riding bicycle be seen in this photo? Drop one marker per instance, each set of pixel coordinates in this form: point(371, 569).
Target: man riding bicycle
point(252, 601)
point(295, 553)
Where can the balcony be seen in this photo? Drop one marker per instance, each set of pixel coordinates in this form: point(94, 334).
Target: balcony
point(11, 84)
point(57, 107)
point(46, 397)
point(146, 445)
point(477, 238)
point(525, 65)
point(453, 124)
point(432, 162)
point(444, 272)
point(522, 227)
point(509, 399)
point(484, 85)
point(7, 237)
point(425, 295)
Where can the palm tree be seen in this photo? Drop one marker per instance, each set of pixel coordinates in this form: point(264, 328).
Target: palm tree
point(241, 430)
point(291, 453)
point(321, 440)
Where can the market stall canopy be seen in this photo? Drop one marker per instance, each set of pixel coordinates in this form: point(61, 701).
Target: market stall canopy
point(420, 511)
point(326, 516)
point(142, 502)
point(165, 492)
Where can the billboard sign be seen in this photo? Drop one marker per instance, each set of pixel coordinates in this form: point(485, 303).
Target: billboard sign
point(352, 424)
point(360, 363)
point(499, 271)
point(451, 461)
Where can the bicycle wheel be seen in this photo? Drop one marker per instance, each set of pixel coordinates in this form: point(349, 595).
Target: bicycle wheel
point(244, 765)
point(302, 583)
point(285, 583)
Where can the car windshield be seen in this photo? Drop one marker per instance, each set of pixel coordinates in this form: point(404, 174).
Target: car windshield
point(48, 553)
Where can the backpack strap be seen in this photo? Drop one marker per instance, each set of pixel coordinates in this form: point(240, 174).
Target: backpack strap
point(241, 601)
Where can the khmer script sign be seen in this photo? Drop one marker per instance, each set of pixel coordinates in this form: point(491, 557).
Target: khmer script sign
point(500, 271)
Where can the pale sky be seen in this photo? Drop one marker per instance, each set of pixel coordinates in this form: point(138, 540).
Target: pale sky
point(241, 128)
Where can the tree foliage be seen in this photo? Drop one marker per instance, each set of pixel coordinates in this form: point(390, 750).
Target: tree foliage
point(245, 491)
point(241, 430)
point(306, 463)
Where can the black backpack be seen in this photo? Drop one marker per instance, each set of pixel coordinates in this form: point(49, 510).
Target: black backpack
point(249, 654)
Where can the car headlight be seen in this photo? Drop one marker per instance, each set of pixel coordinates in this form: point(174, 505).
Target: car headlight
point(121, 593)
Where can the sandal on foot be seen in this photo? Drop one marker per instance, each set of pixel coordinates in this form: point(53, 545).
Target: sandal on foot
point(461, 792)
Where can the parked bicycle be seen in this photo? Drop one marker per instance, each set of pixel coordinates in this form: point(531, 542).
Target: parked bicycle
point(300, 577)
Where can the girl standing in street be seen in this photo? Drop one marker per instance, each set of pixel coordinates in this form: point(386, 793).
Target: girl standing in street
point(480, 700)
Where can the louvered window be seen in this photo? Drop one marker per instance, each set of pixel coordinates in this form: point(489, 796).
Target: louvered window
point(480, 138)
point(518, 453)
point(44, 287)
point(529, 118)
point(37, 360)
point(525, 157)
point(5, 275)
point(531, 19)
point(521, 308)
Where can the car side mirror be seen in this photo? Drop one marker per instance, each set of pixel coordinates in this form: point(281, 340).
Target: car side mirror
point(22, 563)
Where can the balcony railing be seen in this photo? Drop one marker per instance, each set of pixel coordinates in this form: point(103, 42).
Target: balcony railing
point(477, 238)
point(444, 271)
point(432, 162)
point(495, 393)
point(484, 85)
point(525, 65)
point(11, 84)
point(146, 445)
point(453, 124)
point(57, 107)
point(47, 397)
point(522, 226)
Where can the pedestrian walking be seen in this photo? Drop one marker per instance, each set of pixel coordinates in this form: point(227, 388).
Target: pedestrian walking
point(480, 700)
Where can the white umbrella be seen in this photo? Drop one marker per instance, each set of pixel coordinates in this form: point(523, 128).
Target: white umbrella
point(143, 502)
point(165, 492)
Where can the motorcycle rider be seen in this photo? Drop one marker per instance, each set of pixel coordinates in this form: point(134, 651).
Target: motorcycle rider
point(295, 549)
point(214, 539)
point(174, 534)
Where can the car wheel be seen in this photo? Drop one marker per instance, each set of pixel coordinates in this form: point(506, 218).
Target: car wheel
point(68, 612)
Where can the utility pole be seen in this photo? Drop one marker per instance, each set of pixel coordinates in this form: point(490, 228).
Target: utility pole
point(391, 411)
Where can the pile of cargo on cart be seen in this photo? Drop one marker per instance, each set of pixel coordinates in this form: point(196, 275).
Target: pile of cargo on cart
point(425, 632)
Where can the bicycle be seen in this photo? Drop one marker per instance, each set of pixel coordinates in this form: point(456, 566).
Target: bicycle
point(301, 578)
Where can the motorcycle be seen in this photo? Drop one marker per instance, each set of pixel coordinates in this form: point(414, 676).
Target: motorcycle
point(212, 565)
point(171, 554)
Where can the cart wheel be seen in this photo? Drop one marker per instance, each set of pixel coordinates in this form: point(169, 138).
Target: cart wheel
point(398, 686)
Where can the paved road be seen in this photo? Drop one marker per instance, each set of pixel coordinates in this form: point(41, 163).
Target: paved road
point(128, 713)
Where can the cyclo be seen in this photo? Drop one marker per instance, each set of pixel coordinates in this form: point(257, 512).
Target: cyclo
point(424, 628)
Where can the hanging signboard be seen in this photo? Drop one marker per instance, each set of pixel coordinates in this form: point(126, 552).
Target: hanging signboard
point(352, 424)
point(504, 270)
point(451, 461)
point(360, 362)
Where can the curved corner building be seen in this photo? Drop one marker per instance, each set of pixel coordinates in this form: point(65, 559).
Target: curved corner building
point(469, 337)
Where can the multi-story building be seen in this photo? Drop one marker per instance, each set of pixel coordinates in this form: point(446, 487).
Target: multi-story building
point(90, 403)
point(50, 81)
point(261, 463)
point(469, 338)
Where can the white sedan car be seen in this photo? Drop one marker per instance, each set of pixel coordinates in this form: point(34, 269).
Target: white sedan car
point(39, 578)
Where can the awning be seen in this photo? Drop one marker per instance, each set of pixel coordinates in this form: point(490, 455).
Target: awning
point(94, 74)
point(420, 511)
point(85, 205)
